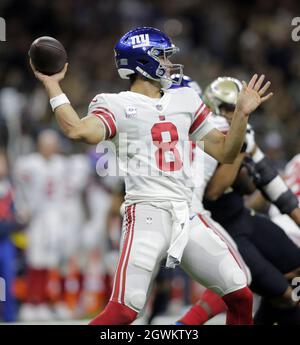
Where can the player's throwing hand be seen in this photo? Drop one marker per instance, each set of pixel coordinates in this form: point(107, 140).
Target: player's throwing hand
point(49, 78)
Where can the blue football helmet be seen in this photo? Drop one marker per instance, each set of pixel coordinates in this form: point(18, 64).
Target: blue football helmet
point(186, 81)
point(146, 51)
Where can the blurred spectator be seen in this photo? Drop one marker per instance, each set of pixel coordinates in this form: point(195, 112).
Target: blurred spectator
point(215, 37)
point(40, 179)
point(8, 224)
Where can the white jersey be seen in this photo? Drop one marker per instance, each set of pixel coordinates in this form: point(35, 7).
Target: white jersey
point(210, 165)
point(40, 191)
point(40, 182)
point(156, 156)
point(77, 176)
point(78, 173)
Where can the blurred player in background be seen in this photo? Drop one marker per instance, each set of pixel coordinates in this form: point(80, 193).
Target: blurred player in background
point(159, 205)
point(271, 256)
point(290, 225)
point(8, 224)
point(40, 187)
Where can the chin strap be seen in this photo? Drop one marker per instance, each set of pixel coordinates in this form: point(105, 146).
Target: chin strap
point(165, 83)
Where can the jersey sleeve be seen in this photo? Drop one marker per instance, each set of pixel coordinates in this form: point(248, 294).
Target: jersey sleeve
point(100, 108)
point(201, 123)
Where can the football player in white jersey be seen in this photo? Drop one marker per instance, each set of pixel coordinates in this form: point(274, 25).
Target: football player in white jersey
point(40, 190)
point(157, 124)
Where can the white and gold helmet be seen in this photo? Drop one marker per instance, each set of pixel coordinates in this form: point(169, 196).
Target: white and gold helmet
point(223, 91)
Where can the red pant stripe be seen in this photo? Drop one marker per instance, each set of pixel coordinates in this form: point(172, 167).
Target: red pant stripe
point(116, 288)
point(127, 258)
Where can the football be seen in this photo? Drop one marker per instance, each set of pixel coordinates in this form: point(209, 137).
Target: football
point(48, 55)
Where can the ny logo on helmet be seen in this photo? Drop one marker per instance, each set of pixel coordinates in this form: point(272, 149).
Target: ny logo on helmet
point(140, 41)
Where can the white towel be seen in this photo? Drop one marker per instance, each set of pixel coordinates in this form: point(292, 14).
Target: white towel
point(180, 232)
point(180, 229)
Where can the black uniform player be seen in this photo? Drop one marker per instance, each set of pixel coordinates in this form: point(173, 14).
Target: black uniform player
point(272, 257)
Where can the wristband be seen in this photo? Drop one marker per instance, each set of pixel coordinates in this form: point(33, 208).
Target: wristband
point(258, 155)
point(58, 100)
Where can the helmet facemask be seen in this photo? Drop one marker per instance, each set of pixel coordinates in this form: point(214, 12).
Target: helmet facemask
point(165, 68)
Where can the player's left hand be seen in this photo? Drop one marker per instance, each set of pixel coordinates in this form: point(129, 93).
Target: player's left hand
point(252, 95)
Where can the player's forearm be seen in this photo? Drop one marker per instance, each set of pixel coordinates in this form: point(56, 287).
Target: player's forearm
point(272, 185)
point(66, 116)
point(235, 137)
point(223, 178)
point(69, 121)
point(89, 129)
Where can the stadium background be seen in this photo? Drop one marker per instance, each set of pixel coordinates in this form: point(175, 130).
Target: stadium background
point(216, 38)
